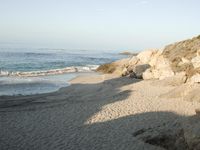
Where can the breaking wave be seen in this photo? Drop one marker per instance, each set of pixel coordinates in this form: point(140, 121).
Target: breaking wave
point(88, 68)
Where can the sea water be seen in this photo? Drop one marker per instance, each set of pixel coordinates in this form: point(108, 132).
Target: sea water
point(31, 71)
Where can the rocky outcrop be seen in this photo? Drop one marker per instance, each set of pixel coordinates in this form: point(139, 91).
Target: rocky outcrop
point(140, 63)
point(181, 57)
point(160, 69)
point(134, 66)
point(146, 56)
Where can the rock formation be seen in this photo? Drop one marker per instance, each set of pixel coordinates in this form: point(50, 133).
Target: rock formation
point(181, 59)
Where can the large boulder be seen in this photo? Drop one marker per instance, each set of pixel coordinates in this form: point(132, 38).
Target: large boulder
point(139, 64)
point(140, 69)
point(160, 69)
point(182, 56)
point(148, 74)
point(145, 56)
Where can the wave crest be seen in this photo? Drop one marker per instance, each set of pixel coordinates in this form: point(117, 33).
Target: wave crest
point(88, 68)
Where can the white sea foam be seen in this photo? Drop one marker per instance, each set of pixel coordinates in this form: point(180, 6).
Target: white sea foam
point(13, 85)
point(88, 68)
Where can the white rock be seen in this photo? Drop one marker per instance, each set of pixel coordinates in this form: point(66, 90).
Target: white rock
point(133, 60)
point(165, 73)
point(184, 60)
point(154, 58)
point(195, 78)
point(156, 73)
point(196, 62)
point(124, 72)
point(162, 63)
point(148, 74)
point(145, 56)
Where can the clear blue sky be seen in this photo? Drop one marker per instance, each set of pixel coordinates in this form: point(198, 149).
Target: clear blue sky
point(98, 24)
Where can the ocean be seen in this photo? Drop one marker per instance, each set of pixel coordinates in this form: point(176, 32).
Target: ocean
point(33, 71)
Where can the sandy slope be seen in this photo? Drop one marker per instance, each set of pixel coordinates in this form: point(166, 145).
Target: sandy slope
point(95, 113)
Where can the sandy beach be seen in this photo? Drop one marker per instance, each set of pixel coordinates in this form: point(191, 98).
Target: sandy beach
point(97, 112)
point(99, 75)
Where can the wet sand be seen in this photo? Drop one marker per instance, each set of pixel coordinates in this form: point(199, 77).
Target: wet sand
point(98, 112)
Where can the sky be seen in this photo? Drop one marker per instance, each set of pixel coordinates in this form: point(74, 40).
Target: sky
point(97, 24)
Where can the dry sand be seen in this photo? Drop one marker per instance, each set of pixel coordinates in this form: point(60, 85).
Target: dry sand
point(99, 112)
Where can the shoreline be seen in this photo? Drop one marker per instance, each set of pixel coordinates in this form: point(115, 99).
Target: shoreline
point(92, 77)
point(63, 79)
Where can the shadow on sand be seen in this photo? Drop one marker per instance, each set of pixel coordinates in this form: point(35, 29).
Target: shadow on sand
point(57, 121)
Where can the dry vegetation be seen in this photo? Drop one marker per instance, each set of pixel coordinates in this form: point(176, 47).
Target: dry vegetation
point(114, 67)
point(107, 68)
point(185, 49)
